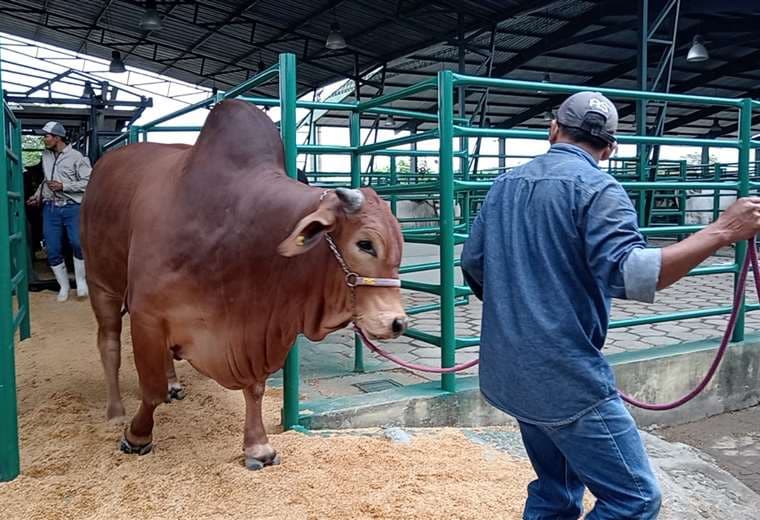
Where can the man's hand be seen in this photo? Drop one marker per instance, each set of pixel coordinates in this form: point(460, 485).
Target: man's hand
point(34, 200)
point(741, 221)
point(55, 185)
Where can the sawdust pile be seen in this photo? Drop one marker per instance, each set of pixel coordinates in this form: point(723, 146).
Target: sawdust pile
point(71, 467)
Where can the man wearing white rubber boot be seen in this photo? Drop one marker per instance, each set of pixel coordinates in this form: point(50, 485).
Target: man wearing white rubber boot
point(67, 173)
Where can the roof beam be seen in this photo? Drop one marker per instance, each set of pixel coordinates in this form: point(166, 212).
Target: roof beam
point(596, 80)
point(558, 39)
point(745, 63)
point(94, 24)
point(203, 39)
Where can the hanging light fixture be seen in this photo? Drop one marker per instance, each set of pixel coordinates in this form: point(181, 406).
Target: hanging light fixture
point(89, 92)
point(116, 65)
point(697, 52)
point(548, 116)
point(715, 128)
point(390, 120)
point(150, 20)
point(335, 40)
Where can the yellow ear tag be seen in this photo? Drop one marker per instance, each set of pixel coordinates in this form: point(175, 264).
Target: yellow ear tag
point(300, 240)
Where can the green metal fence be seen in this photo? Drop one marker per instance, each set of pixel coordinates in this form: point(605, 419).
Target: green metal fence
point(456, 185)
point(14, 312)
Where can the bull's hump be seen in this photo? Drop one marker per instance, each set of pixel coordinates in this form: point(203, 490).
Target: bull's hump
point(238, 135)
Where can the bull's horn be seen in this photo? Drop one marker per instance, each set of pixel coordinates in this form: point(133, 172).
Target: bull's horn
point(352, 199)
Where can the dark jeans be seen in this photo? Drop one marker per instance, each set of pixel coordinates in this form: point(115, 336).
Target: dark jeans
point(56, 220)
point(602, 451)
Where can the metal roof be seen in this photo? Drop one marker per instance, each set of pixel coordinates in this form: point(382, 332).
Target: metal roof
point(587, 42)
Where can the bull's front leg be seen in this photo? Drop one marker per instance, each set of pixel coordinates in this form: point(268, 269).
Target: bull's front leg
point(258, 451)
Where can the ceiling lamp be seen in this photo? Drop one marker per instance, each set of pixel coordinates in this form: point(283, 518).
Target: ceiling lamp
point(150, 20)
point(548, 116)
point(390, 120)
point(715, 128)
point(89, 92)
point(698, 52)
point(116, 65)
point(335, 40)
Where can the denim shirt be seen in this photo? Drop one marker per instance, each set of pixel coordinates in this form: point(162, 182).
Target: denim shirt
point(556, 239)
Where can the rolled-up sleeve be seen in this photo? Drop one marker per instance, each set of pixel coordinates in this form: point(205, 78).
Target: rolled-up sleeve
point(641, 271)
point(616, 251)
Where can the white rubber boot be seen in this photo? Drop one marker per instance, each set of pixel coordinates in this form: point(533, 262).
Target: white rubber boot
point(82, 291)
point(62, 277)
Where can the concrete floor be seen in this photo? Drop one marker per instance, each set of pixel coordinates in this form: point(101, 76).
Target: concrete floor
point(732, 439)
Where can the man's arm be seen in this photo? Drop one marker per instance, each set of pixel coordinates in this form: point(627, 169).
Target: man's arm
point(741, 221)
point(472, 257)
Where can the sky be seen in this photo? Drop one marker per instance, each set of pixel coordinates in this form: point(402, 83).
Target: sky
point(170, 95)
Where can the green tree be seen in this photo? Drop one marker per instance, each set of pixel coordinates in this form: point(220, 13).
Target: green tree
point(32, 146)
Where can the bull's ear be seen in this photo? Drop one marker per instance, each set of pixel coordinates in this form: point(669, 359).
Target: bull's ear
point(308, 232)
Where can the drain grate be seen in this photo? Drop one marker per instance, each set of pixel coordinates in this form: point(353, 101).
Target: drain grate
point(377, 385)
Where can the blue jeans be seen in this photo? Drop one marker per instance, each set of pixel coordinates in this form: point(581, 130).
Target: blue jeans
point(602, 451)
point(56, 220)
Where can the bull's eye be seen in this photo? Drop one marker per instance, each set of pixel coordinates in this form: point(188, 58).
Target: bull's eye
point(366, 247)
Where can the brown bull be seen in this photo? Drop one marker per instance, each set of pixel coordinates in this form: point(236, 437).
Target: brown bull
point(222, 260)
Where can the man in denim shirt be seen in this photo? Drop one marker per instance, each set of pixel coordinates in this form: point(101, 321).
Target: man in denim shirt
point(556, 239)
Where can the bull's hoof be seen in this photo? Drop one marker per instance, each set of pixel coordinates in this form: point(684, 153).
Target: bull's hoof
point(131, 449)
point(256, 464)
point(175, 394)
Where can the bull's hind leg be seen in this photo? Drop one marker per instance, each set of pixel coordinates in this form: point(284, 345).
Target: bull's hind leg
point(107, 310)
point(258, 451)
point(150, 360)
point(175, 390)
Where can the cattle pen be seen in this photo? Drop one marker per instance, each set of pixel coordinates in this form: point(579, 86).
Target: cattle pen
point(458, 190)
point(434, 179)
point(458, 187)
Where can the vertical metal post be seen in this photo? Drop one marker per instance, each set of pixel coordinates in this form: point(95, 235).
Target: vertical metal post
point(446, 163)
point(413, 160)
point(464, 144)
point(745, 137)
point(356, 170)
point(642, 71)
point(23, 254)
point(705, 160)
point(394, 181)
point(716, 194)
point(9, 452)
point(355, 127)
point(502, 154)
point(134, 134)
point(291, 371)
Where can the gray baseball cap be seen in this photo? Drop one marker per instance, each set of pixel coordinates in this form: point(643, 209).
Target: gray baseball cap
point(583, 110)
point(52, 127)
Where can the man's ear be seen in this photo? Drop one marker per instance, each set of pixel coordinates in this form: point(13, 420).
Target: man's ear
point(608, 152)
point(308, 231)
point(553, 131)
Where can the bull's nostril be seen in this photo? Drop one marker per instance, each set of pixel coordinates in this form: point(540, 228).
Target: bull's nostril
point(399, 325)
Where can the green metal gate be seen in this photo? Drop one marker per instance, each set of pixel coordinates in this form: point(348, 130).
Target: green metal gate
point(13, 282)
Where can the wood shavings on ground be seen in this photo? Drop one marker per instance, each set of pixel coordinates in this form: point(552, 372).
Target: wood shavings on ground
point(72, 469)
